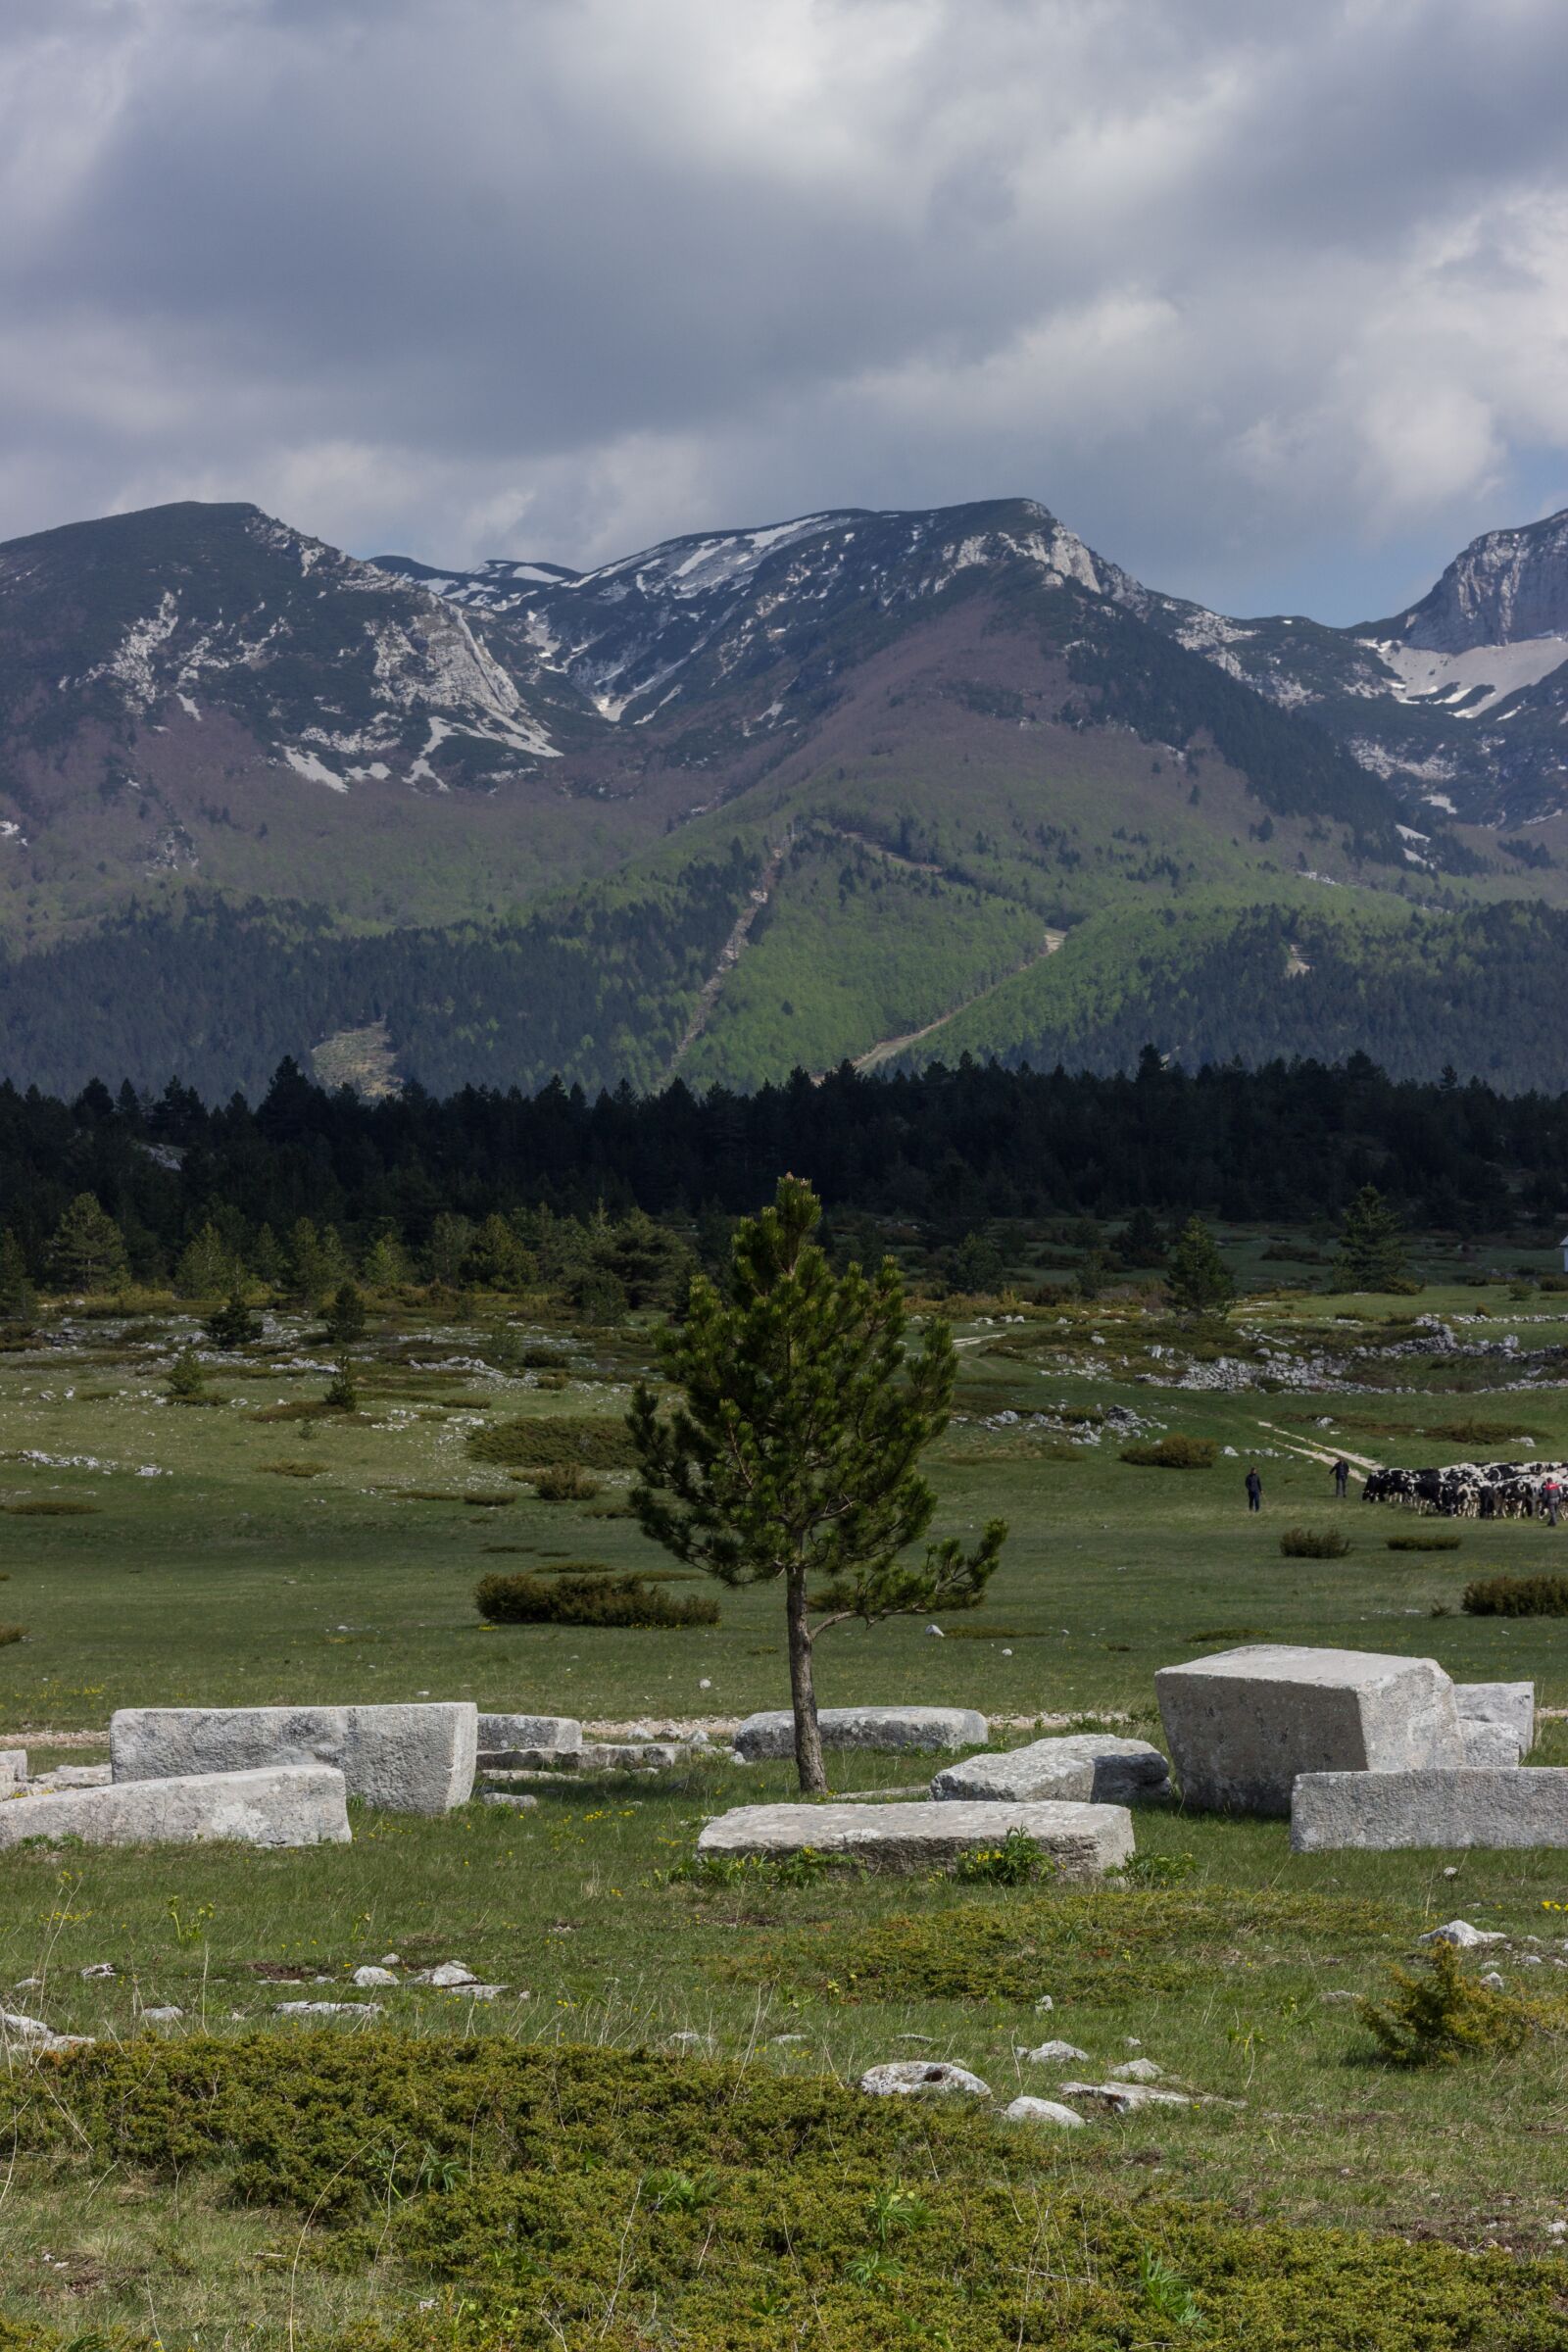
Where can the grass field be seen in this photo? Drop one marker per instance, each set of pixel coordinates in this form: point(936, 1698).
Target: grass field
point(284, 1552)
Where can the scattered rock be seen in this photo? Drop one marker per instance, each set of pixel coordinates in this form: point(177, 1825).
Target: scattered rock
point(922, 2077)
point(99, 1969)
point(1125, 2099)
point(1460, 1934)
point(1054, 2053)
point(372, 1975)
point(1136, 2070)
point(1492, 1981)
point(1026, 2110)
point(446, 1974)
point(165, 2015)
point(328, 2008)
point(517, 1800)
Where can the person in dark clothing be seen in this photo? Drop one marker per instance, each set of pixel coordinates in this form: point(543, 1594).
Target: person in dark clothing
point(1551, 1500)
point(1255, 1490)
point(1342, 1478)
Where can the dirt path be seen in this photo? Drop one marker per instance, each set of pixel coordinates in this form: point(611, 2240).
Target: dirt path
point(1360, 1463)
point(731, 952)
point(886, 1048)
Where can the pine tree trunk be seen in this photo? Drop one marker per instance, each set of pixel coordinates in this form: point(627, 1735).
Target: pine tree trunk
point(803, 1692)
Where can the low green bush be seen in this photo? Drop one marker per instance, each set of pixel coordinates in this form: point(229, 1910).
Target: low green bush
point(11, 1632)
point(563, 1481)
point(1444, 2014)
point(1018, 1861)
point(544, 1440)
point(1432, 1543)
point(1516, 1596)
point(1175, 1451)
point(1315, 1544)
point(570, 2194)
point(523, 1599)
point(48, 1506)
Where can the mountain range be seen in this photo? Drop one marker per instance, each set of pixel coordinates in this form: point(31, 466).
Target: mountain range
point(865, 786)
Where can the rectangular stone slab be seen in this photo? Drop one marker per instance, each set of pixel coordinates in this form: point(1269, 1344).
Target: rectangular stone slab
point(414, 1758)
point(1383, 1811)
point(1242, 1726)
point(1489, 1743)
point(1085, 1840)
point(561, 1732)
point(1091, 1766)
point(773, 1734)
point(291, 1804)
point(1512, 1703)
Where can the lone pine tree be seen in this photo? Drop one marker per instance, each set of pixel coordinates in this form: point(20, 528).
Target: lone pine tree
point(1371, 1253)
point(1196, 1278)
point(793, 1453)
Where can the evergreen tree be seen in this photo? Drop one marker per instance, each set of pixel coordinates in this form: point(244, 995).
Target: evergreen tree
point(1197, 1280)
point(386, 1265)
point(496, 1257)
point(343, 1388)
point(317, 1263)
point(187, 1382)
point(206, 1267)
point(794, 1451)
point(268, 1260)
point(16, 1299)
point(448, 1247)
point(1371, 1253)
point(978, 1264)
point(88, 1250)
point(233, 1325)
point(344, 1315)
point(1141, 1241)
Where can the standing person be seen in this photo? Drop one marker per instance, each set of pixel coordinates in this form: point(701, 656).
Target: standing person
point(1552, 1498)
point(1255, 1490)
point(1342, 1478)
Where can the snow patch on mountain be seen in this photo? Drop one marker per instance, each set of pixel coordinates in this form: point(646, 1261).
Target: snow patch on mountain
point(1469, 682)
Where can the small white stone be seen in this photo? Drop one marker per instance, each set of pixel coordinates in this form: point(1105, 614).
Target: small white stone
point(1462, 1935)
point(167, 2015)
point(1026, 2110)
point(1136, 2070)
point(935, 1633)
point(99, 1968)
point(922, 2077)
point(1054, 2053)
point(372, 1975)
point(1044, 2003)
point(328, 2008)
point(1493, 1982)
point(391, 1960)
point(445, 1974)
point(706, 1683)
point(1450, 1870)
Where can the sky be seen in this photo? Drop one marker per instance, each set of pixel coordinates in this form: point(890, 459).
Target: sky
point(1270, 303)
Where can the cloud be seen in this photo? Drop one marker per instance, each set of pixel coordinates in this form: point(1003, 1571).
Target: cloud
point(1269, 304)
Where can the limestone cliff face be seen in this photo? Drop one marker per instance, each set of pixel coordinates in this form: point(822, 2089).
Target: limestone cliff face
point(1506, 586)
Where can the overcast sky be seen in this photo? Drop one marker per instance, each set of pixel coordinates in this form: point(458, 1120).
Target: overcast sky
point(1269, 302)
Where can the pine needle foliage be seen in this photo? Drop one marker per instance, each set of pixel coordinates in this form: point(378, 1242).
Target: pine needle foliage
point(793, 1453)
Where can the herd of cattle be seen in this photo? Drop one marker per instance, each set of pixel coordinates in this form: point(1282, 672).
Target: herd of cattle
point(1471, 1490)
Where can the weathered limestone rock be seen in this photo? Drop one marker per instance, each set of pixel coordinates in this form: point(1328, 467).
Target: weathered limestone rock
point(773, 1734)
point(1512, 1703)
point(1092, 1767)
point(922, 2077)
point(1125, 2099)
point(1054, 2053)
point(1461, 1934)
point(560, 1734)
point(1242, 1725)
point(1490, 1743)
point(414, 1758)
point(13, 1768)
point(291, 1804)
point(1084, 1841)
point(1460, 1807)
point(1026, 2110)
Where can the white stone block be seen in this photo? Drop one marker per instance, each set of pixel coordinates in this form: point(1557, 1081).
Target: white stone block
point(13, 1767)
point(1084, 1841)
point(560, 1734)
point(1027, 2109)
point(922, 2077)
point(1467, 1806)
point(411, 1758)
point(773, 1734)
point(1092, 1767)
point(1495, 1744)
point(291, 1804)
point(1243, 1724)
point(1512, 1703)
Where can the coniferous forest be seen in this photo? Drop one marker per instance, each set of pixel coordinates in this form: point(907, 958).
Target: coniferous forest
point(948, 1148)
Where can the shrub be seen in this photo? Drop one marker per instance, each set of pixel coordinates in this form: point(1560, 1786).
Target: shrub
point(1017, 1862)
point(1315, 1544)
point(1516, 1596)
point(1444, 2015)
point(544, 1440)
point(1432, 1543)
point(522, 1599)
point(11, 1632)
point(553, 1381)
point(1173, 1453)
point(292, 1469)
point(563, 1481)
point(45, 1506)
point(342, 1390)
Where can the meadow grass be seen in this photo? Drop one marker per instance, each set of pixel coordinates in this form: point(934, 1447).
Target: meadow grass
point(1230, 1962)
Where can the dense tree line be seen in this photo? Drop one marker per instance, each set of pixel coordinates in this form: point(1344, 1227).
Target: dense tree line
point(445, 1183)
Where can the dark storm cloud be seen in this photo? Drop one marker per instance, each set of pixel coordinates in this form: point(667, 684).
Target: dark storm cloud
point(1272, 305)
